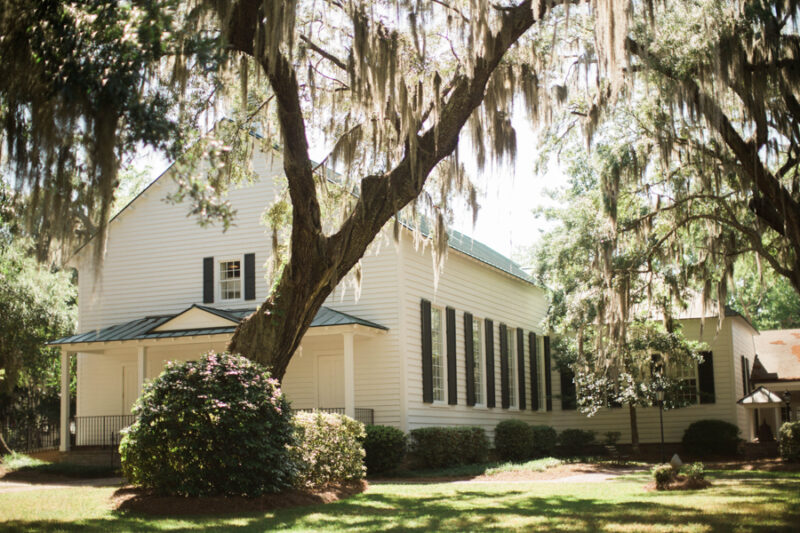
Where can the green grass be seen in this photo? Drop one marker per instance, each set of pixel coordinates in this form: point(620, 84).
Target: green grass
point(738, 501)
point(23, 464)
point(536, 465)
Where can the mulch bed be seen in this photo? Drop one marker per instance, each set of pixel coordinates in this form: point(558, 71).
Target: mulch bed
point(142, 501)
point(681, 483)
point(556, 472)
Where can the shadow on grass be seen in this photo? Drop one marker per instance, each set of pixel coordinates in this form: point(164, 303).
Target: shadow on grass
point(757, 504)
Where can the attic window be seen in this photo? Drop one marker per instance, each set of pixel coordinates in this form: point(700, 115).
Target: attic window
point(230, 280)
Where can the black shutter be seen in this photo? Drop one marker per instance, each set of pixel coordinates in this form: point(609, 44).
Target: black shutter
point(747, 375)
point(532, 348)
point(249, 276)
point(568, 397)
point(469, 359)
point(489, 333)
point(548, 385)
point(208, 280)
point(452, 389)
point(504, 399)
point(743, 362)
point(705, 378)
point(427, 352)
point(521, 366)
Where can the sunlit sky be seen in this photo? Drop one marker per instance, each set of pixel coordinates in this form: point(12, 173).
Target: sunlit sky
point(507, 198)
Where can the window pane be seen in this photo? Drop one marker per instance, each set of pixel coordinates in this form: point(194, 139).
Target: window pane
point(436, 352)
point(230, 280)
point(477, 352)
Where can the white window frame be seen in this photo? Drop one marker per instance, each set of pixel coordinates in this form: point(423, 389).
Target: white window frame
point(479, 357)
point(441, 364)
point(513, 374)
point(218, 278)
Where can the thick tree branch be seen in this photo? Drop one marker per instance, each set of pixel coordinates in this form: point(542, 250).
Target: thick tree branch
point(327, 55)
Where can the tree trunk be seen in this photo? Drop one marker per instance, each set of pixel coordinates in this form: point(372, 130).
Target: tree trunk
point(634, 429)
point(318, 262)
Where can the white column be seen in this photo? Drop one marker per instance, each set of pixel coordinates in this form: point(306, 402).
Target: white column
point(142, 368)
point(777, 421)
point(65, 356)
point(349, 376)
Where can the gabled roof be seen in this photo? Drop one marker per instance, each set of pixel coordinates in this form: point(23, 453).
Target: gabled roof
point(148, 327)
point(761, 397)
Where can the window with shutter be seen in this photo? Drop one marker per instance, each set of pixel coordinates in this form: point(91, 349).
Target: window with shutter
point(548, 385)
point(533, 342)
point(489, 337)
point(452, 391)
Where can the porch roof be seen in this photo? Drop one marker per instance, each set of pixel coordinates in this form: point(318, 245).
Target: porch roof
point(145, 328)
point(761, 397)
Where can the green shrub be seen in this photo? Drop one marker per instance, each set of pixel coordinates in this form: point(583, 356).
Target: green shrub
point(694, 471)
point(327, 449)
point(711, 437)
point(544, 442)
point(438, 447)
point(611, 438)
point(219, 425)
point(789, 441)
point(513, 440)
point(385, 447)
point(575, 441)
point(663, 474)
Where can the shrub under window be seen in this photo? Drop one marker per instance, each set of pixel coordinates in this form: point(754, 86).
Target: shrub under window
point(544, 440)
point(385, 447)
point(513, 440)
point(219, 425)
point(789, 441)
point(438, 447)
point(711, 437)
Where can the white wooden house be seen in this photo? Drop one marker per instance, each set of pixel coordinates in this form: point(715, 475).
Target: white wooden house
point(468, 351)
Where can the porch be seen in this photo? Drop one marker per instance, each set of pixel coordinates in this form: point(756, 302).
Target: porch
point(114, 364)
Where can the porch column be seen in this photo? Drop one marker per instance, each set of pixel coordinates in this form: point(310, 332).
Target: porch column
point(64, 444)
point(778, 421)
point(142, 368)
point(349, 376)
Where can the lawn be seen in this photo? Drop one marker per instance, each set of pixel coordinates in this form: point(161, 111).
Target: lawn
point(738, 501)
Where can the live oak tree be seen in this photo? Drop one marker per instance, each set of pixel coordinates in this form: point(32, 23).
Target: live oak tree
point(389, 85)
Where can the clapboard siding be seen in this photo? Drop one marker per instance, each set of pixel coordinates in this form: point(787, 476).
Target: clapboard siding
point(467, 286)
point(153, 262)
point(744, 345)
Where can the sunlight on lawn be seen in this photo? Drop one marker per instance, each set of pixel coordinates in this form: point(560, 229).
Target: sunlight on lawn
point(746, 501)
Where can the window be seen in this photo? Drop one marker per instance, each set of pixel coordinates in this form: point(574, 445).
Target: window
point(686, 374)
point(230, 280)
point(477, 360)
point(511, 353)
point(437, 355)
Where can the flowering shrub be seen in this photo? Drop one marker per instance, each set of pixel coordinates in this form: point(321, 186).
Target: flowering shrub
point(219, 425)
point(438, 447)
point(513, 440)
point(327, 449)
point(694, 471)
point(385, 447)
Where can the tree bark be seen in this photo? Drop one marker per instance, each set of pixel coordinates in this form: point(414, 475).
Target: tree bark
point(634, 429)
point(318, 262)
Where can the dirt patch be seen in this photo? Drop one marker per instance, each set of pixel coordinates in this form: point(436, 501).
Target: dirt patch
point(556, 472)
point(146, 502)
point(771, 464)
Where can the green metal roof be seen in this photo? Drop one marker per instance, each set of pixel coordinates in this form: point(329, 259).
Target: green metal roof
point(143, 328)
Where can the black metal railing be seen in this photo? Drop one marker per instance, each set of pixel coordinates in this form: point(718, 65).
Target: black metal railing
point(100, 430)
point(32, 437)
point(363, 415)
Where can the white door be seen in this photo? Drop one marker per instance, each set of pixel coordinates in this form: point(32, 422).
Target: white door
point(330, 381)
point(130, 378)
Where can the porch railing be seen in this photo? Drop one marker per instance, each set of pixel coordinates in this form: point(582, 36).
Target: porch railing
point(100, 430)
point(363, 415)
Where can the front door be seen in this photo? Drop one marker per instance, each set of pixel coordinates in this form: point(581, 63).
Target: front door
point(130, 375)
point(330, 381)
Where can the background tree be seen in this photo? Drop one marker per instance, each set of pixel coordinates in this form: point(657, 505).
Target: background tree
point(612, 301)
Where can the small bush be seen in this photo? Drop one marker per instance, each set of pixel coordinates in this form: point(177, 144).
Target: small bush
point(611, 438)
point(544, 442)
point(385, 447)
point(711, 437)
point(694, 471)
point(327, 449)
point(663, 474)
point(219, 425)
point(513, 440)
point(789, 441)
point(575, 441)
point(438, 447)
